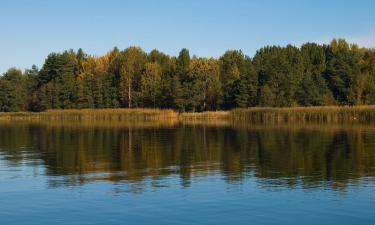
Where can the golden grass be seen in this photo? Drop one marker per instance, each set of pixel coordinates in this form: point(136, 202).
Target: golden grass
point(94, 115)
point(323, 114)
point(208, 116)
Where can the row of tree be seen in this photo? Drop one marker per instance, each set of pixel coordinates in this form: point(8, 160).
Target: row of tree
point(334, 74)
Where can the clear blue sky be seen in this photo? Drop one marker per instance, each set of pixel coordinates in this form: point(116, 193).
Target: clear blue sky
point(30, 29)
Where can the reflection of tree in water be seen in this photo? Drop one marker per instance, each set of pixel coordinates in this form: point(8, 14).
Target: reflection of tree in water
point(278, 156)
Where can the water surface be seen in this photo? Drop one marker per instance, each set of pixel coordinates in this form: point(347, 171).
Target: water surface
point(186, 174)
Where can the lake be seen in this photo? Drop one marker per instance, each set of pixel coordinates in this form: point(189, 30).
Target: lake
point(100, 173)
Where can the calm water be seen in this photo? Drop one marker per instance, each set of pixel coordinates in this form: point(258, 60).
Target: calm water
point(185, 174)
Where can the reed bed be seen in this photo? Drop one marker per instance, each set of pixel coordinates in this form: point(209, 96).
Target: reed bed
point(94, 115)
point(323, 114)
point(256, 115)
point(87, 124)
point(205, 116)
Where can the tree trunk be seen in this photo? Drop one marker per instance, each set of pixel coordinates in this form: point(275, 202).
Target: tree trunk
point(129, 94)
point(204, 100)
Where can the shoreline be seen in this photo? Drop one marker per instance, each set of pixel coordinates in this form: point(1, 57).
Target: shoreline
point(256, 115)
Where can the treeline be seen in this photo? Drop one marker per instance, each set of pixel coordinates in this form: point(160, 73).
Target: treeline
point(311, 75)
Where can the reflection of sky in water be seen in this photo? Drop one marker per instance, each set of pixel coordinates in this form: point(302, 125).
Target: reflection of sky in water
point(216, 177)
point(209, 200)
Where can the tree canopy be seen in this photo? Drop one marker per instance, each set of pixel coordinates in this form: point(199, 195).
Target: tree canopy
point(310, 75)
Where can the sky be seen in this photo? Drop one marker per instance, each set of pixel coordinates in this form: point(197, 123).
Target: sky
point(31, 29)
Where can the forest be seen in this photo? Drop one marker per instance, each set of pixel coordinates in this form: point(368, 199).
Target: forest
point(313, 74)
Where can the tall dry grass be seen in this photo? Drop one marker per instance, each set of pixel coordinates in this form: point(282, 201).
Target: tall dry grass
point(208, 116)
point(94, 115)
point(323, 114)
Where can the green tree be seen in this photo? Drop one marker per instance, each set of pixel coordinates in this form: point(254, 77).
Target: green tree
point(266, 96)
point(204, 83)
point(182, 81)
point(131, 66)
point(313, 89)
point(246, 87)
point(342, 67)
point(151, 83)
point(281, 69)
point(13, 91)
point(43, 98)
point(83, 97)
point(61, 70)
point(168, 72)
point(368, 71)
point(231, 70)
point(362, 82)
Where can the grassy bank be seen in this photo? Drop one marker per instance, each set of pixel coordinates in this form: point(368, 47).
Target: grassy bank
point(94, 115)
point(331, 114)
point(326, 114)
point(124, 115)
point(205, 116)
